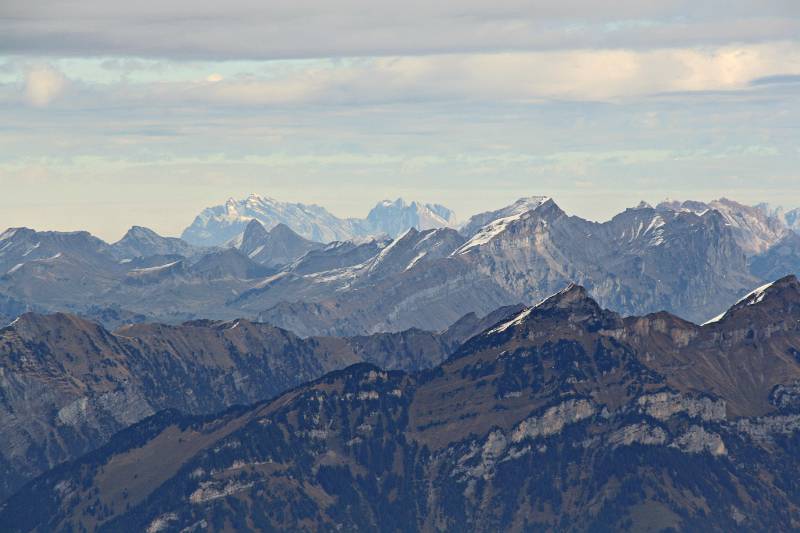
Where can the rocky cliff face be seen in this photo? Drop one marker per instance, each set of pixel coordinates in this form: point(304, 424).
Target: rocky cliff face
point(564, 416)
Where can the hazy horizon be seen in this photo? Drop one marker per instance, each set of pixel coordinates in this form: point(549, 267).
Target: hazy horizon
point(117, 114)
point(571, 208)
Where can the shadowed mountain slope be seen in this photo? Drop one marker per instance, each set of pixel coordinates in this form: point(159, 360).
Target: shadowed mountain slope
point(564, 417)
point(67, 384)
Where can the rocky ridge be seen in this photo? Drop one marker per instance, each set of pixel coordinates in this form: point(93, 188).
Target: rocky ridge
point(564, 416)
point(67, 385)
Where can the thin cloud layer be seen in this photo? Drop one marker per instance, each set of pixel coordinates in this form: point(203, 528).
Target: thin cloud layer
point(256, 29)
point(42, 85)
point(119, 113)
point(535, 77)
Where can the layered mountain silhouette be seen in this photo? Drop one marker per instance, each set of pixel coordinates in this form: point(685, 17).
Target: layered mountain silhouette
point(562, 416)
point(68, 384)
point(692, 259)
point(275, 247)
point(219, 224)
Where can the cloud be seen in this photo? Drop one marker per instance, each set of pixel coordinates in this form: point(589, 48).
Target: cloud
point(777, 79)
point(42, 85)
point(254, 29)
point(574, 75)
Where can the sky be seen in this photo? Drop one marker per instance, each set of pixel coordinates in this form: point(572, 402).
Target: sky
point(115, 113)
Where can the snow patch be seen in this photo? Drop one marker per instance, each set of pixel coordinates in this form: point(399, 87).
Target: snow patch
point(416, 259)
point(513, 322)
point(256, 252)
point(524, 314)
point(750, 298)
point(488, 232)
point(7, 234)
point(155, 268)
point(31, 249)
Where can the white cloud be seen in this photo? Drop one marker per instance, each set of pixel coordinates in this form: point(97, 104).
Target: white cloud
point(42, 85)
point(575, 75)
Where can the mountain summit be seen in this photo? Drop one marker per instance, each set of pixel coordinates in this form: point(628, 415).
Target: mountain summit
point(396, 217)
point(275, 247)
point(219, 224)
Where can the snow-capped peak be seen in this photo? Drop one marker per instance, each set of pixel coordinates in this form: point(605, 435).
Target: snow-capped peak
point(571, 289)
point(219, 224)
point(751, 298)
point(489, 232)
point(528, 203)
point(523, 205)
point(8, 234)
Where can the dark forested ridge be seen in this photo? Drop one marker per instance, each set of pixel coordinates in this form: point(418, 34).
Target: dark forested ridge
point(67, 384)
point(564, 417)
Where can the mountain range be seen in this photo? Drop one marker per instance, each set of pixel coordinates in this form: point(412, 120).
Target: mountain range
point(219, 224)
point(562, 416)
point(692, 259)
point(67, 384)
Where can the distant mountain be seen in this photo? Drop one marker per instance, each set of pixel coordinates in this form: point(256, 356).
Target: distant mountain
point(217, 225)
point(782, 259)
point(67, 384)
point(228, 264)
point(753, 228)
point(338, 255)
point(642, 260)
point(407, 251)
point(275, 247)
point(689, 258)
point(220, 224)
point(481, 220)
point(789, 217)
point(54, 268)
point(19, 246)
point(565, 417)
point(144, 242)
point(412, 282)
point(396, 217)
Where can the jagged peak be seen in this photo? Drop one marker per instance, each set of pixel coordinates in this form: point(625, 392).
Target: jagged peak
point(532, 200)
point(547, 210)
point(254, 230)
point(410, 233)
point(566, 297)
point(574, 299)
point(137, 232)
point(761, 297)
point(398, 202)
point(10, 233)
point(283, 230)
point(254, 224)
